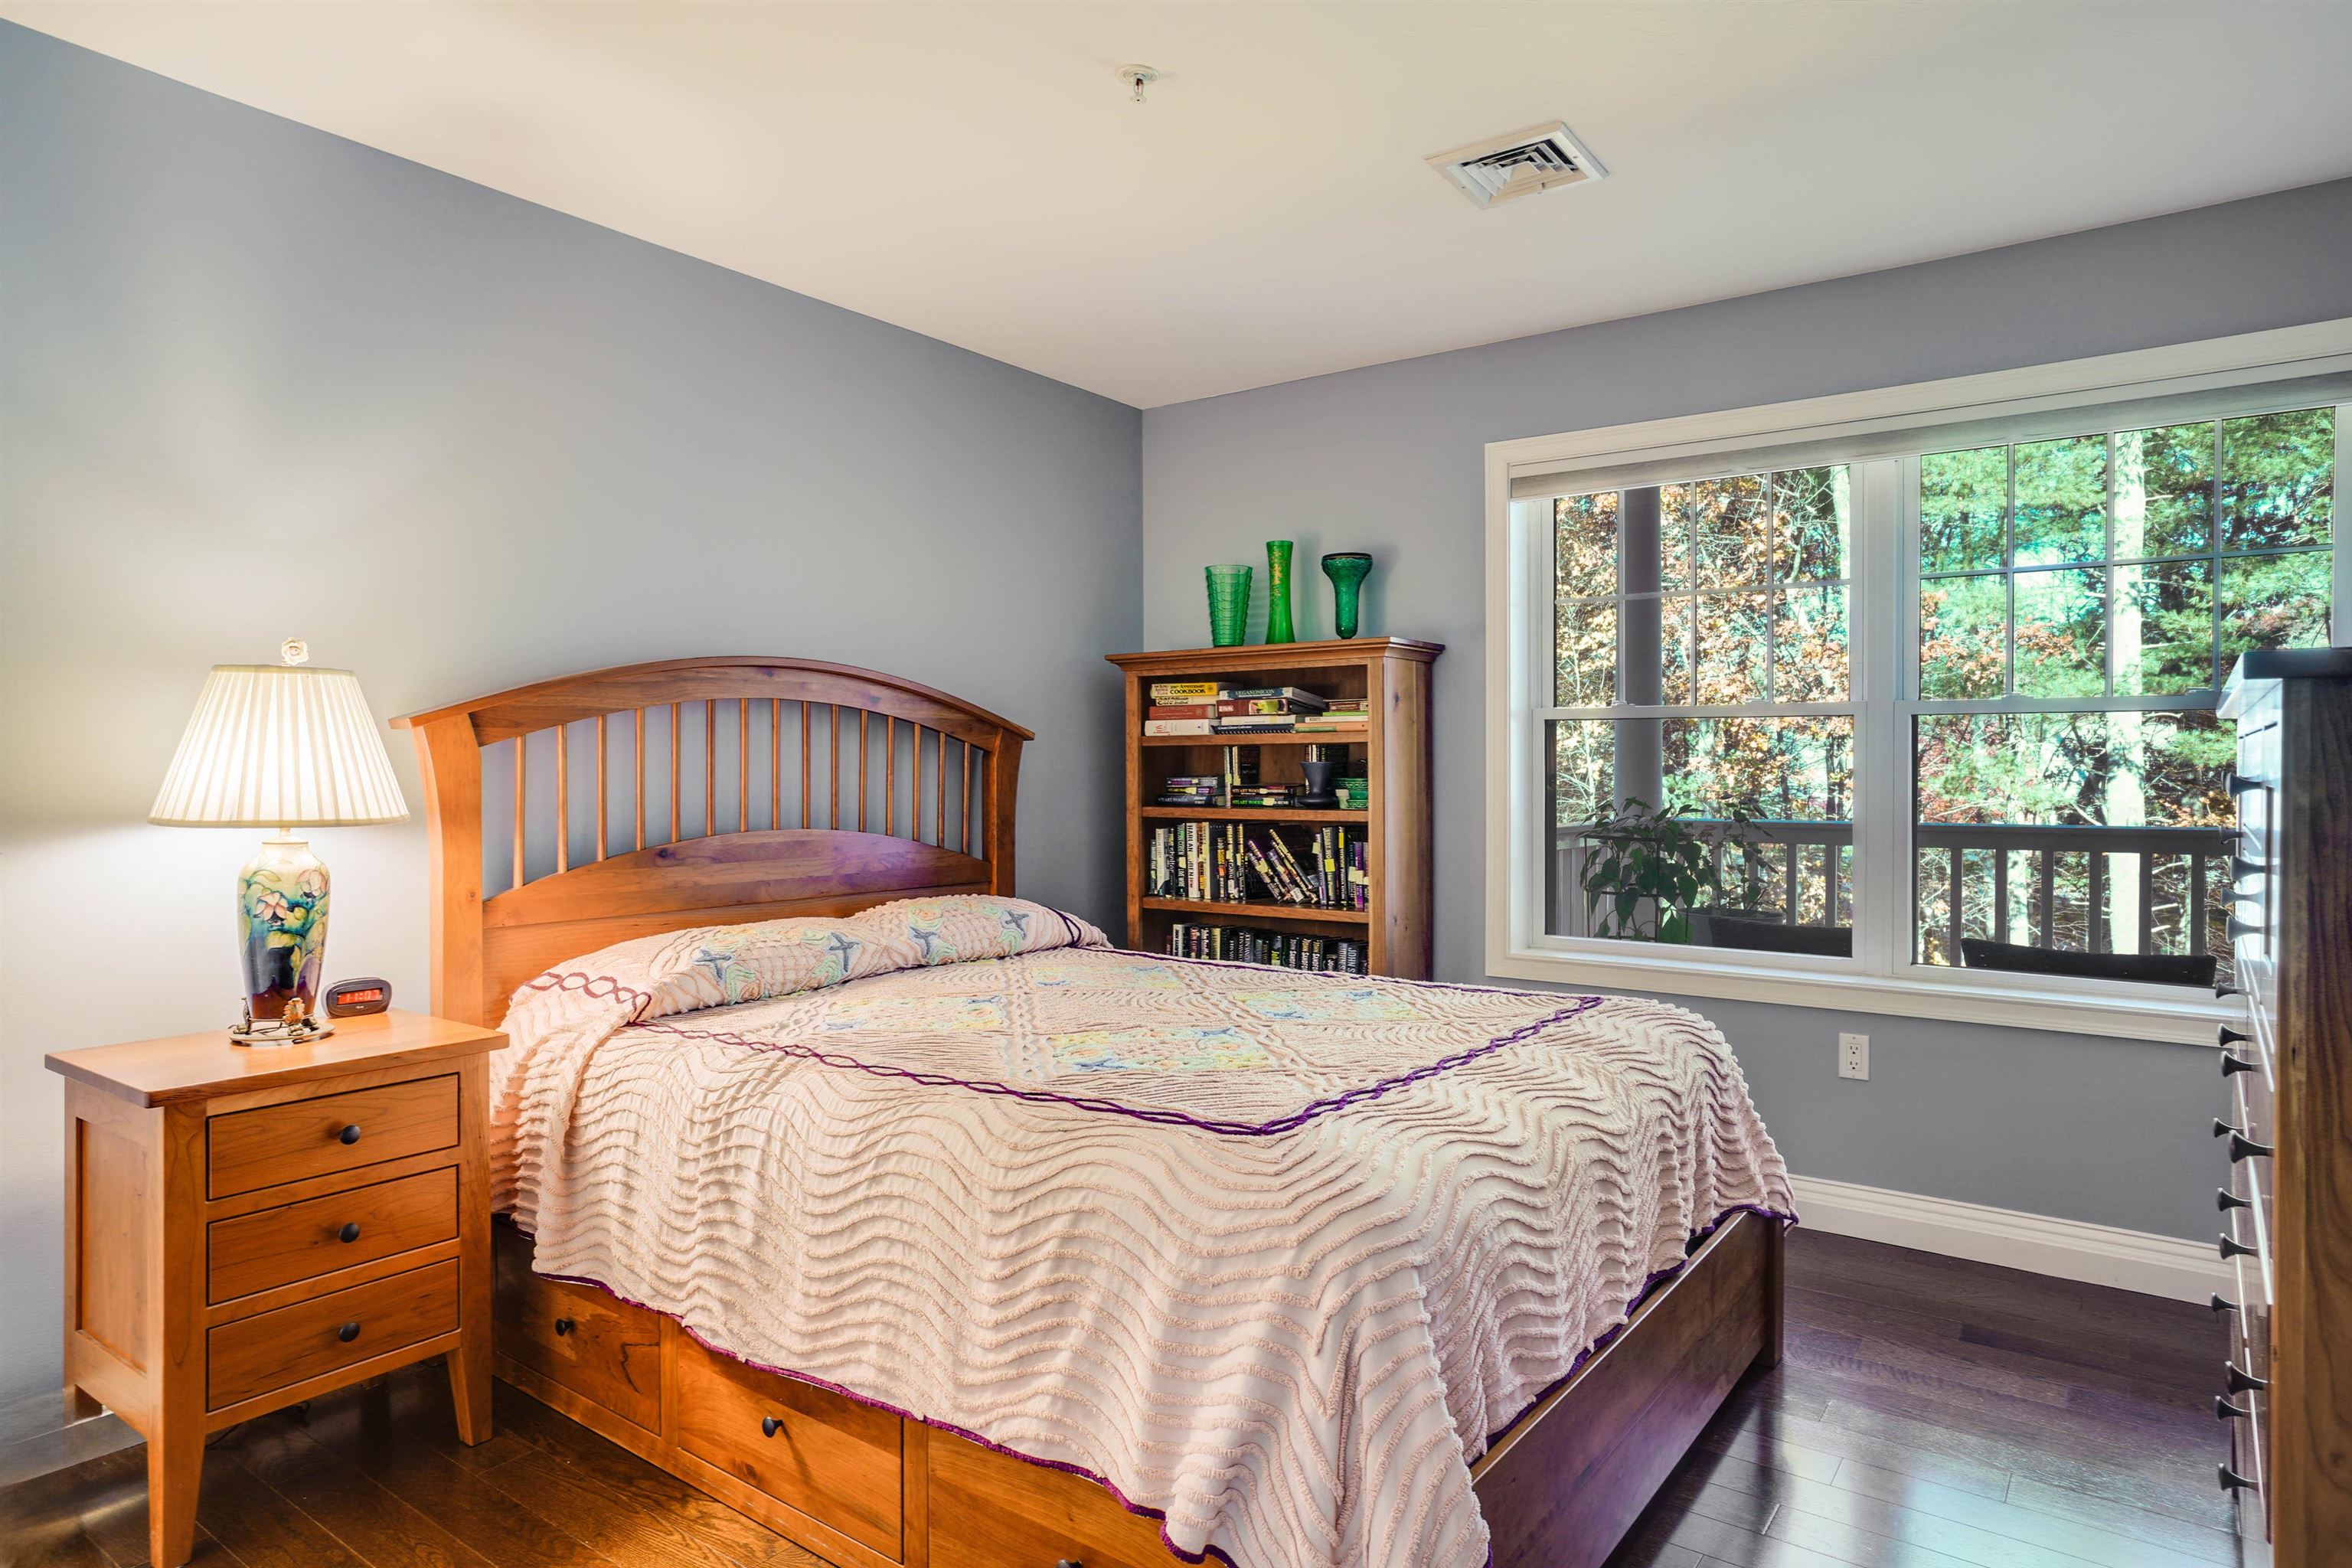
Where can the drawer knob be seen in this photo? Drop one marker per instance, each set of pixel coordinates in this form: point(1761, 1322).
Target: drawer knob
point(350, 1134)
point(349, 1232)
point(2225, 1200)
point(347, 1333)
point(2232, 1247)
point(563, 1327)
point(2230, 1037)
point(2226, 1410)
point(770, 1425)
point(2221, 1304)
point(2231, 1481)
point(1068, 1563)
point(2243, 1382)
point(2222, 1129)
point(2232, 1063)
point(2240, 1146)
point(2239, 783)
point(2225, 990)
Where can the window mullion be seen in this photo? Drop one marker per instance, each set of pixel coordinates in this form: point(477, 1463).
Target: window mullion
point(1883, 575)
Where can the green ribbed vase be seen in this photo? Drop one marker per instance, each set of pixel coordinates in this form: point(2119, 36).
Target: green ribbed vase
point(1278, 591)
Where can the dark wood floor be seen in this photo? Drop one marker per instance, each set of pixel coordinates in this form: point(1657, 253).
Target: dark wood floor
point(1931, 1413)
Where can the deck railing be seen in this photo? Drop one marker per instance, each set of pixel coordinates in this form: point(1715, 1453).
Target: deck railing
point(2011, 882)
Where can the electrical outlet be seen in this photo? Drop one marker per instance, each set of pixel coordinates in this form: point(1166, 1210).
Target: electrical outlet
point(1854, 1056)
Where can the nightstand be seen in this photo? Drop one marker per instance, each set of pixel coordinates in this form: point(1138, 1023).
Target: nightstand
point(246, 1227)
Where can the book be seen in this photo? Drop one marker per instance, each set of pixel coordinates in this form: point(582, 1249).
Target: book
point(1231, 707)
point(1253, 724)
point(1304, 699)
point(1189, 690)
point(1180, 726)
point(1182, 710)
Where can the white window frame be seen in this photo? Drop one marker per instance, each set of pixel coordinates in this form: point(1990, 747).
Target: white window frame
point(1880, 977)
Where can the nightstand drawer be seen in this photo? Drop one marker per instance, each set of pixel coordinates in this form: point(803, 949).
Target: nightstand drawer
point(272, 1349)
point(279, 1143)
point(301, 1241)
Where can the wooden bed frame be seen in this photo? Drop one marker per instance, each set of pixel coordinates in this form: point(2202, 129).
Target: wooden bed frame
point(932, 782)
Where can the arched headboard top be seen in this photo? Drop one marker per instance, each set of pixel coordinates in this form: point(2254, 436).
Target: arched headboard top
point(822, 789)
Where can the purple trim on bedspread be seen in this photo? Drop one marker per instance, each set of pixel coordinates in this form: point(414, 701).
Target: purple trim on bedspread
point(1649, 1286)
point(1158, 1116)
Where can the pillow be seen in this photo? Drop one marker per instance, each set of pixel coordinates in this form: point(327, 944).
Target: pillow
point(956, 930)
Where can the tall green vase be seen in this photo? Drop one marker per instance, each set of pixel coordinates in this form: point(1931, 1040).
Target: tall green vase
point(1346, 569)
point(1277, 592)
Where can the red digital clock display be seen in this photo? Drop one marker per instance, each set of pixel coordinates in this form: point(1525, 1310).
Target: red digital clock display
point(357, 998)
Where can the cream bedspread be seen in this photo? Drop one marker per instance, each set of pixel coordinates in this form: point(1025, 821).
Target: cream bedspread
point(1275, 1254)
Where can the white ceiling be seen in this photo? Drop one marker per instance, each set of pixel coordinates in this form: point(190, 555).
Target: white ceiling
point(973, 172)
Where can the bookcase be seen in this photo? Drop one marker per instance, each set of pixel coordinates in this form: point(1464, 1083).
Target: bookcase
point(1391, 675)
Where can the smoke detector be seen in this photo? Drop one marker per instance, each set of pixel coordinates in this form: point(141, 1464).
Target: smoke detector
point(1541, 158)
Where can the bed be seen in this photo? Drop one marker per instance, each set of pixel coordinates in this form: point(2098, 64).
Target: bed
point(918, 1222)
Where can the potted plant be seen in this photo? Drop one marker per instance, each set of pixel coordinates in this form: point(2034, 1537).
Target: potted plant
point(1648, 868)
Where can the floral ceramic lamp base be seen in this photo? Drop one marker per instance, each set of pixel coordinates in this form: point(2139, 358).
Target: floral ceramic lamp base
point(281, 916)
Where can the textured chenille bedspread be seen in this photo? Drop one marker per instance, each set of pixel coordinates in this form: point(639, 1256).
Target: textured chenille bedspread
point(1273, 1254)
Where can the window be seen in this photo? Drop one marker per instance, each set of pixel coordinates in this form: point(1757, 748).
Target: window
point(1914, 717)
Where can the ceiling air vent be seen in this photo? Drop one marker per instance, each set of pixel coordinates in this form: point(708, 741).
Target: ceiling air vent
point(1541, 158)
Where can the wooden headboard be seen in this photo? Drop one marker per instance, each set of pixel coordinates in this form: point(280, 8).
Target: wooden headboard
point(697, 791)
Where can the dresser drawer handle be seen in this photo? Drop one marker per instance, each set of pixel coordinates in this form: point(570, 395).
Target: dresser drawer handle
point(770, 1425)
point(563, 1327)
point(2225, 1200)
point(2232, 1063)
point(2222, 1304)
point(350, 1133)
point(2240, 1146)
point(349, 1232)
point(347, 1333)
point(2232, 1247)
point(2243, 1382)
point(2226, 1410)
point(2231, 1481)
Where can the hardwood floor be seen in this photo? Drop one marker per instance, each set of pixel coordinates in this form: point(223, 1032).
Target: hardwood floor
point(1930, 1413)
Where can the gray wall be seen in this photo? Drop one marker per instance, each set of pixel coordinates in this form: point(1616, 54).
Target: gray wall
point(1389, 459)
point(261, 382)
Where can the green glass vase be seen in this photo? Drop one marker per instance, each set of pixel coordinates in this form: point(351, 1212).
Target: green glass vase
point(1229, 590)
point(1346, 569)
point(1277, 592)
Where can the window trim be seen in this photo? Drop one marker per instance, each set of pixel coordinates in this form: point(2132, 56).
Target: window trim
point(1519, 618)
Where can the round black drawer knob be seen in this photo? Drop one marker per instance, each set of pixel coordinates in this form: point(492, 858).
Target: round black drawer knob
point(2222, 1304)
point(2241, 1147)
point(2230, 1037)
point(563, 1327)
point(2225, 1200)
point(1068, 1563)
point(770, 1425)
point(350, 1134)
point(2227, 1411)
point(349, 1232)
point(2234, 1064)
point(2231, 1481)
point(347, 1333)
point(2241, 1382)
point(2232, 1247)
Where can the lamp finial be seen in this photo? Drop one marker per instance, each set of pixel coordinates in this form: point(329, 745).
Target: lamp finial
point(294, 650)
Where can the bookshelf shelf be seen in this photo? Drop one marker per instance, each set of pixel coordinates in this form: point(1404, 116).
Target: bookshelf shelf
point(1393, 676)
point(1216, 743)
point(1254, 910)
point(1288, 815)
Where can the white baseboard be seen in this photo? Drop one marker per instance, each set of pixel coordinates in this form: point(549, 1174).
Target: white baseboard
point(2064, 1249)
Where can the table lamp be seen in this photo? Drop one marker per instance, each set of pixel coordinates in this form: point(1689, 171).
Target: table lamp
point(280, 746)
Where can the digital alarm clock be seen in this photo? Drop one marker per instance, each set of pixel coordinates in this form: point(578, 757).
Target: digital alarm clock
point(357, 998)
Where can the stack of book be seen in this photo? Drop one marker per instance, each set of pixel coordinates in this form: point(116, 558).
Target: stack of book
point(1192, 789)
point(1183, 707)
point(1265, 710)
point(1264, 795)
point(1355, 793)
point(1254, 944)
point(1346, 716)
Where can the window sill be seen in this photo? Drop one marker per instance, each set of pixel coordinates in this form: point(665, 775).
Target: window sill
point(2168, 1015)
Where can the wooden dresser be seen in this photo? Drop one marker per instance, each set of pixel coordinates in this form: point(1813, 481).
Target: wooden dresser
point(2288, 1206)
point(248, 1227)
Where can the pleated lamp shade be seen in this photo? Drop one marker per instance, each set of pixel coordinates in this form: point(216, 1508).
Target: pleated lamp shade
point(279, 746)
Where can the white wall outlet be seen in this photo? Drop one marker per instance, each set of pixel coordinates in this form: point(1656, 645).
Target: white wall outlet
point(1854, 1056)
